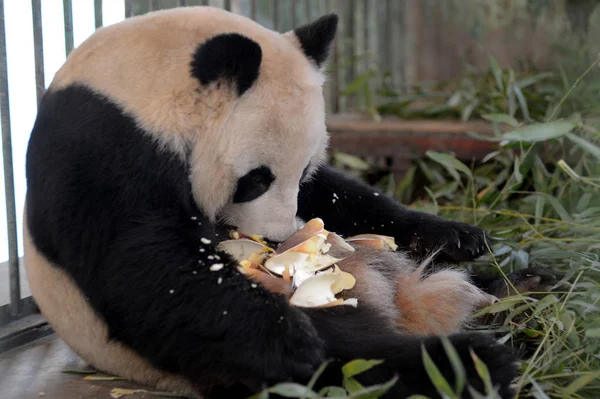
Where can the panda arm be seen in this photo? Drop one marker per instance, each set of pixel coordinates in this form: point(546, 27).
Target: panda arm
point(346, 330)
point(179, 308)
point(350, 207)
point(111, 208)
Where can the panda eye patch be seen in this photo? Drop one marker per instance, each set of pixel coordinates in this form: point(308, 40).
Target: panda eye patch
point(253, 184)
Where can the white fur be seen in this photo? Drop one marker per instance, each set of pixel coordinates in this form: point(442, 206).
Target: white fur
point(278, 122)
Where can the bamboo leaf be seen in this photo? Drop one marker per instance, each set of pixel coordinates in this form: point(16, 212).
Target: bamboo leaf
point(540, 131)
point(457, 366)
point(585, 145)
point(579, 383)
point(450, 163)
point(501, 118)
point(436, 376)
point(358, 366)
point(374, 391)
point(336, 392)
point(482, 371)
point(496, 71)
point(292, 390)
point(522, 102)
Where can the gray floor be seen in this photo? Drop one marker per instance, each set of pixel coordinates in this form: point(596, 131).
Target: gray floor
point(36, 371)
point(5, 283)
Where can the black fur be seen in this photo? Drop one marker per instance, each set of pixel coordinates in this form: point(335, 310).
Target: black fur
point(402, 354)
point(117, 215)
point(230, 57)
point(316, 37)
point(359, 208)
point(253, 184)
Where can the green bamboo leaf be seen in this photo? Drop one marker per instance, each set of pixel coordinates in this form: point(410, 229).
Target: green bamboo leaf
point(260, 395)
point(317, 374)
point(292, 390)
point(593, 332)
point(502, 118)
point(580, 383)
point(336, 392)
point(585, 145)
point(482, 371)
point(522, 102)
point(496, 71)
point(352, 385)
point(450, 163)
point(528, 81)
point(540, 131)
point(356, 85)
point(560, 210)
point(433, 199)
point(545, 302)
point(436, 376)
point(374, 391)
point(504, 304)
point(539, 392)
point(358, 366)
point(539, 209)
point(457, 366)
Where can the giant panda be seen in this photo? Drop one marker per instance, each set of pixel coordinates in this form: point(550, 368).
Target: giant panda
point(159, 135)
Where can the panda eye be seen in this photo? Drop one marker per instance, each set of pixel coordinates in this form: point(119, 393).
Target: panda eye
point(253, 184)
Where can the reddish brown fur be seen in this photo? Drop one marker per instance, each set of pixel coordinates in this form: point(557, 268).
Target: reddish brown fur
point(417, 303)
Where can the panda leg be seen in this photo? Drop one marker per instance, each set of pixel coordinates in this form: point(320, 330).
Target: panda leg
point(408, 296)
point(359, 208)
point(358, 333)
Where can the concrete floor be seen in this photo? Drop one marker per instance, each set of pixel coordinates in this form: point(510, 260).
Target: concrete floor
point(36, 371)
point(5, 283)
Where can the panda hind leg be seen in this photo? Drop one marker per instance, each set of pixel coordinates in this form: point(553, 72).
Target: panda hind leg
point(408, 296)
point(440, 303)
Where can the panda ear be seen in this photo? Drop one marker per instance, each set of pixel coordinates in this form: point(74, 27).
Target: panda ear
point(316, 37)
point(228, 57)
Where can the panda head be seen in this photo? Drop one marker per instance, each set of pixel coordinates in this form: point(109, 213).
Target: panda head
point(272, 135)
point(240, 104)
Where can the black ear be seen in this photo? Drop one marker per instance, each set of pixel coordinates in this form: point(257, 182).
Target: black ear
point(230, 57)
point(316, 37)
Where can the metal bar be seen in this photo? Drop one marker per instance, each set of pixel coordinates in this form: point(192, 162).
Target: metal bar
point(293, 14)
point(27, 308)
point(253, 9)
point(98, 13)
point(150, 5)
point(236, 7)
point(38, 49)
point(275, 8)
point(332, 93)
point(68, 16)
point(348, 25)
point(128, 8)
point(227, 5)
point(182, 3)
point(9, 184)
point(307, 10)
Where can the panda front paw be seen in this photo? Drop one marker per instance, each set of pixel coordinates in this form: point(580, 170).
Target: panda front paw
point(299, 350)
point(500, 360)
point(455, 241)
